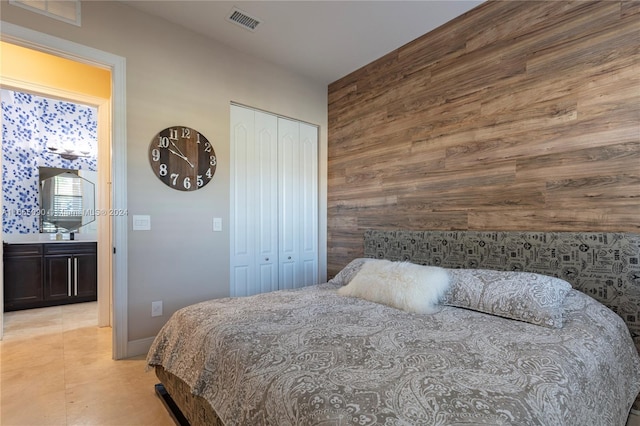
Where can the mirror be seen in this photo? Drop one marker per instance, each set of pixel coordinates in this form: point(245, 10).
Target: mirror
point(67, 201)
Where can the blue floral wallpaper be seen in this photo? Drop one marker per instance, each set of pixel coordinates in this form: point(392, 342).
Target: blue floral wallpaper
point(30, 125)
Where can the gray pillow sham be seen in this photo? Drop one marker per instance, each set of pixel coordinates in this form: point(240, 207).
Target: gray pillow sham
point(347, 273)
point(524, 296)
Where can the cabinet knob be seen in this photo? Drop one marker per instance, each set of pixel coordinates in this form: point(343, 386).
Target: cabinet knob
point(266, 259)
point(289, 258)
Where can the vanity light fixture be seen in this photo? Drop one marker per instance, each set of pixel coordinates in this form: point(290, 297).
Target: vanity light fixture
point(69, 153)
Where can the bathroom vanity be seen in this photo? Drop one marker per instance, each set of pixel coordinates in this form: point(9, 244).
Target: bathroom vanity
point(51, 267)
point(47, 274)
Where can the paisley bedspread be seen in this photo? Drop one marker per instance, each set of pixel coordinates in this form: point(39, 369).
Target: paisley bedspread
point(312, 357)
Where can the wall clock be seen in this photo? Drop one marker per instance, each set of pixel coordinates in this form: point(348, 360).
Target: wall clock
point(182, 158)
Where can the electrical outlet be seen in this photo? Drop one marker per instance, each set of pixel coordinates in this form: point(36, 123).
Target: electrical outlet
point(156, 308)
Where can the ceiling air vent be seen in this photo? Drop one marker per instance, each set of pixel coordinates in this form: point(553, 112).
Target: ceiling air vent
point(242, 19)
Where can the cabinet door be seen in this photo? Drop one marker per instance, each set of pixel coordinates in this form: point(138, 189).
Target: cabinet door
point(85, 279)
point(71, 272)
point(58, 277)
point(22, 281)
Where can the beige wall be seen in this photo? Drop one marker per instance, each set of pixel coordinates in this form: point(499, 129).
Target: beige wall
point(519, 115)
point(175, 77)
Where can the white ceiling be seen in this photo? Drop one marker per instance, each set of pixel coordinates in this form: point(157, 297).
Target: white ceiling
point(323, 40)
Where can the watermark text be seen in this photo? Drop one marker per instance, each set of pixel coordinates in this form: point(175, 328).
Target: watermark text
point(63, 212)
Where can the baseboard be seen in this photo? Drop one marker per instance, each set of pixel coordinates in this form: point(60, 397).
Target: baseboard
point(139, 347)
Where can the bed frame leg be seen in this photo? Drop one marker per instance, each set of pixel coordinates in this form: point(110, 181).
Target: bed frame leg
point(171, 406)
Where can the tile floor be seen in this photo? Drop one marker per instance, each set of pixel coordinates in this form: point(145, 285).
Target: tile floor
point(56, 369)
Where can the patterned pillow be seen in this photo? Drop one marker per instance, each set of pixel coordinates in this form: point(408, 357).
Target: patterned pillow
point(525, 296)
point(347, 273)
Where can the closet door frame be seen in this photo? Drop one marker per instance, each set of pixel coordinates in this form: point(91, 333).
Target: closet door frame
point(255, 266)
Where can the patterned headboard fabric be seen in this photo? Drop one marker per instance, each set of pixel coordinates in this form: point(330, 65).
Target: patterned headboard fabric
point(606, 266)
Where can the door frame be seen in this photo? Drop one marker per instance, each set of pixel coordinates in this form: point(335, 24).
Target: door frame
point(103, 202)
point(112, 237)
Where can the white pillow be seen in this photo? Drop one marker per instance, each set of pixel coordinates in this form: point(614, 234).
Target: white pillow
point(402, 285)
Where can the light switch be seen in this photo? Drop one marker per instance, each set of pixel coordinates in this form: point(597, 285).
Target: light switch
point(217, 224)
point(141, 222)
point(156, 308)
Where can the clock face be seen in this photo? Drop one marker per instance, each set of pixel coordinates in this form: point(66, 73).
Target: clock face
point(182, 158)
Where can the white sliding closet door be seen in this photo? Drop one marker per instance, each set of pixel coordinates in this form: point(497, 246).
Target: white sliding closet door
point(298, 218)
point(266, 208)
point(274, 202)
point(254, 202)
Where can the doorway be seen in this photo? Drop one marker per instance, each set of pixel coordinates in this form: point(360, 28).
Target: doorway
point(50, 153)
point(113, 230)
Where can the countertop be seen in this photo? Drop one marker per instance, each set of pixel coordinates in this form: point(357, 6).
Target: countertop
point(47, 238)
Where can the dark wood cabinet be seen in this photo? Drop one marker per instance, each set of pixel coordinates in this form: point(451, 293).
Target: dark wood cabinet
point(23, 276)
point(71, 271)
point(38, 275)
point(58, 276)
point(87, 275)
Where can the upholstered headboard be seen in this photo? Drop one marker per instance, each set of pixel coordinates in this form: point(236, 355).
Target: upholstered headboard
point(606, 266)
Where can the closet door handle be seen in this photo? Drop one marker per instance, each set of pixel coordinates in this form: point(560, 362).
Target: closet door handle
point(75, 276)
point(289, 258)
point(69, 276)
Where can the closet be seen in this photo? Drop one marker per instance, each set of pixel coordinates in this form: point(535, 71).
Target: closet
point(274, 202)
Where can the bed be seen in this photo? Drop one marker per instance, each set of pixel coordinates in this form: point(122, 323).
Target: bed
point(532, 329)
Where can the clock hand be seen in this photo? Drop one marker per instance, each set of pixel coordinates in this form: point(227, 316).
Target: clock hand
point(176, 147)
point(181, 156)
point(184, 157)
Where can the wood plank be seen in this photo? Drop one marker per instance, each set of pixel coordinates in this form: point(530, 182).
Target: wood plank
point(343, 206)
point(555, 140)
point(583, 163)
point(426, 220)
point(526, 195)
point(606, 45)
point(603, 219)
point(617, 191)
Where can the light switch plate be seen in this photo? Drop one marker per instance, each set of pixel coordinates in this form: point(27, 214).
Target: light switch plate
point(141, 222)
point(156, 308)
point(217, 224)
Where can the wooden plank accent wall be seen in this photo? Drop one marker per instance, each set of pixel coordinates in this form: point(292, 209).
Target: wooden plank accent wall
point(515, 116)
